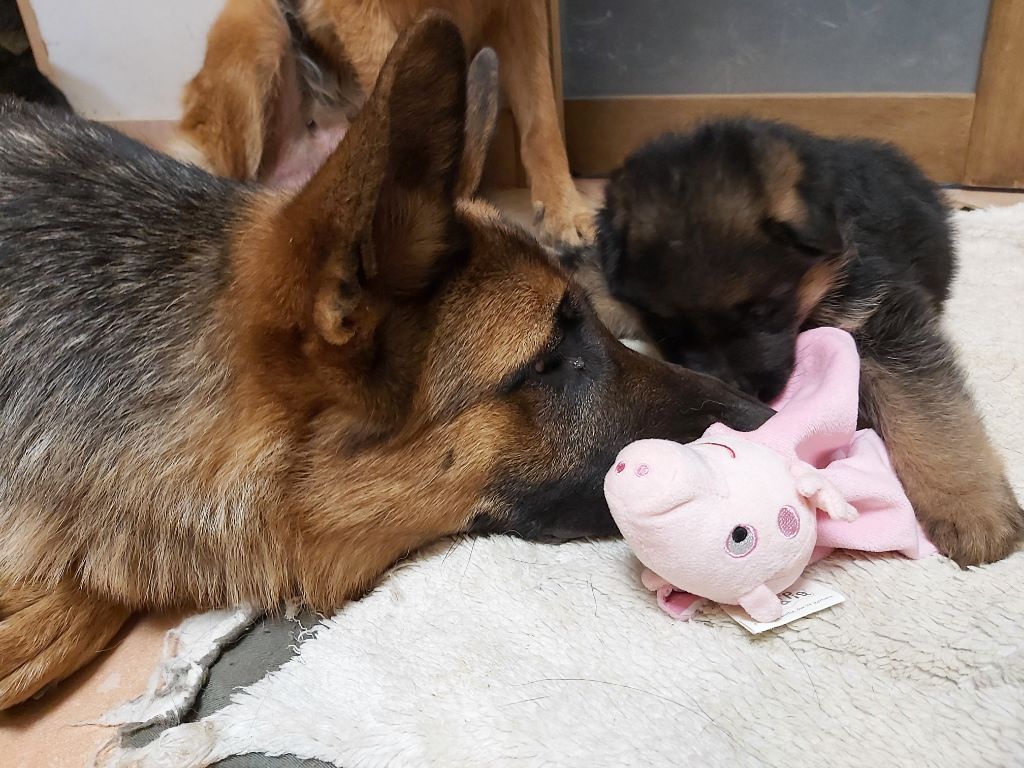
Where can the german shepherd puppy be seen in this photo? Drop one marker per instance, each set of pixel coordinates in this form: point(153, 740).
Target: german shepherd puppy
point(211, 392)
point(721, 245)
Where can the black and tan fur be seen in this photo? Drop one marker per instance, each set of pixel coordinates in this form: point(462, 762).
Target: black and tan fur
point(720, 245)
point(210, 392)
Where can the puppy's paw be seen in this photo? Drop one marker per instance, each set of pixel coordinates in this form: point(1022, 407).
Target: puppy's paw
point(565, 218)
point(47, 634)
point(977, 529)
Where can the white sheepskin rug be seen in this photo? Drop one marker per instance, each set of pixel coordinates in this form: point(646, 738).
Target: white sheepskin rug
point(491, 652)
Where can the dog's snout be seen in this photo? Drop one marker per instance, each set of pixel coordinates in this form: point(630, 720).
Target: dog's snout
point(728, 403)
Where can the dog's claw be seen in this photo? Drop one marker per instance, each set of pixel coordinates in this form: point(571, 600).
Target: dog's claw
point(569, 223)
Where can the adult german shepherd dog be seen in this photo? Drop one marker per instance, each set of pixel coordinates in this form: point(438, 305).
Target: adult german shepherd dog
point(212, 393)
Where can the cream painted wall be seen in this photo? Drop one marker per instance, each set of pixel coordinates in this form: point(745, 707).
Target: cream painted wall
point(124, 59)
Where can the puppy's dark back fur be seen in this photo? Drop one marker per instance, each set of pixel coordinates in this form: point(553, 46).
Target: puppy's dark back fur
point(865, 191)
point(704, 232)
point(890, 214)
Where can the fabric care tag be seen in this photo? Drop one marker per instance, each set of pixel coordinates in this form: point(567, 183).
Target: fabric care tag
point(805, 597)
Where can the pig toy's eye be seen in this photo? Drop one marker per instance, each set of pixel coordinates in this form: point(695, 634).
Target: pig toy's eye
point(741, 542)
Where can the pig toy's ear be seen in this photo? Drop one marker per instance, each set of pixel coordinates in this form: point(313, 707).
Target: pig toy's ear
point(820, 493)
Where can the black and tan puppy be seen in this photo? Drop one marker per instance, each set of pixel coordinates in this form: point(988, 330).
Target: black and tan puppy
point(721, 245)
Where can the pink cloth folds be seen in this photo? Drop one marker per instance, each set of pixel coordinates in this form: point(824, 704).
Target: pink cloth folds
point(817, 422)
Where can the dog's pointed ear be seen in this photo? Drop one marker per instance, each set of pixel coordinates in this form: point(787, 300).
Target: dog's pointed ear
point(376, 224)
point(814, 231)
point(481, 119)
point(796, 215)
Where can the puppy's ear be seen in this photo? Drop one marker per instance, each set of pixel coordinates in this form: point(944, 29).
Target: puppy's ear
point(795, 215)
point(375, 226)
point(481, 119)
point(229, 104)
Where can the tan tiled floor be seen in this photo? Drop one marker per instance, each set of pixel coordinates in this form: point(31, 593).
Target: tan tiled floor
point(49, 733)
point(53, 732)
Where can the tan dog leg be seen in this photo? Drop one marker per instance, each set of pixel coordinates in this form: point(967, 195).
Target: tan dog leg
point(366, 33)
point(228, 104)
point(47, 634)
point(521, 41)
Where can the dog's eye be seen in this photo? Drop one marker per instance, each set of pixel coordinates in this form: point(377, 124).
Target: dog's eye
point(559, 365)
point(542, 369)
point(759, 311)
point(550, 364)
point(547, 364)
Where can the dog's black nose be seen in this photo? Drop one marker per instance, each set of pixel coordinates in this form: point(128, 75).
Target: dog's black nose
point(747, 414)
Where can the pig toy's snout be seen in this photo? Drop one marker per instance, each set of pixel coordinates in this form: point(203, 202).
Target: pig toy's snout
point(640, 470)
point(651, 477)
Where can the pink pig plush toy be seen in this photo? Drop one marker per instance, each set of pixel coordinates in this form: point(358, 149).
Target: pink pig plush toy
point(736, 517)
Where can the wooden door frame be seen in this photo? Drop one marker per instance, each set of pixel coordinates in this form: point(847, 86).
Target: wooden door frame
point(995, 153)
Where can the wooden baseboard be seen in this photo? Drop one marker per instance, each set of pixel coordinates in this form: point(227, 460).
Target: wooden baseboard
point(934, 129)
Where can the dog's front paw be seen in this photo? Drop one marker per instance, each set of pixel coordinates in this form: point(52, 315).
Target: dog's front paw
point(46, 633)
point(978, 528)
point(566, 219)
